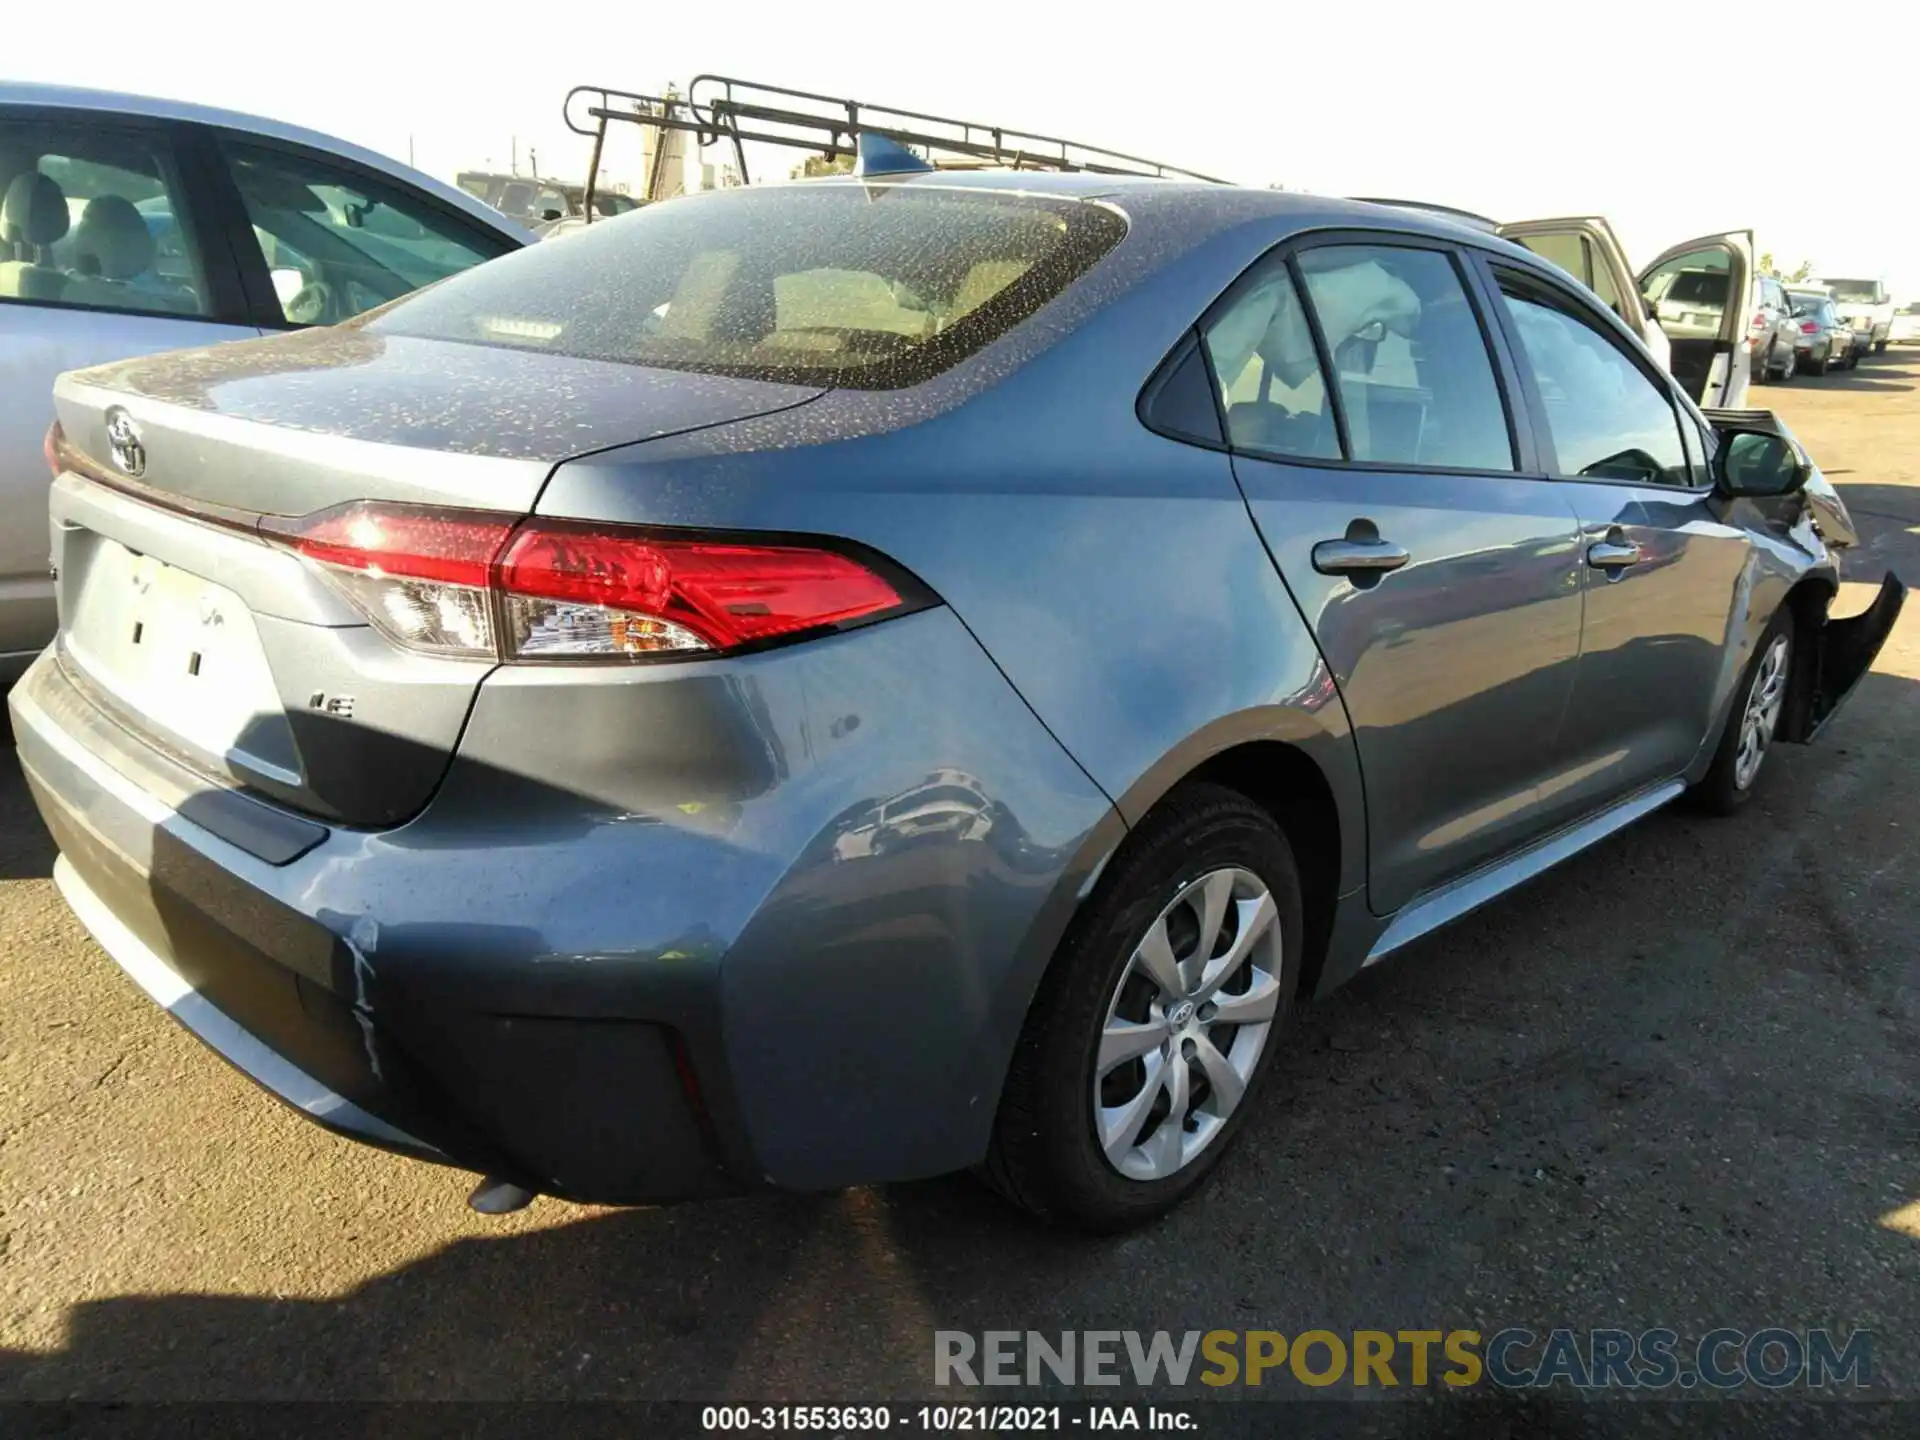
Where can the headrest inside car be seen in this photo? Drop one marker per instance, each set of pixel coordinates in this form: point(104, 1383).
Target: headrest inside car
point(112, 239)
point(34, 211)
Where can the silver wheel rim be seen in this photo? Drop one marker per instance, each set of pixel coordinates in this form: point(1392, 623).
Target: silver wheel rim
point(1762, 712)
point(1186, 1024)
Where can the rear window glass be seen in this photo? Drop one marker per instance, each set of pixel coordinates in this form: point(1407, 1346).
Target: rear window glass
point(873, 287)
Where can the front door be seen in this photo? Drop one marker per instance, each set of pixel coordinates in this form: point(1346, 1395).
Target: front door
point(1442, 586)
point(1659, 569)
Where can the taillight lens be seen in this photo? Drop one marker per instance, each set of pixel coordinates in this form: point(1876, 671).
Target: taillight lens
point(577, 590)
point(473, 583)
point(1807, 327)
point(420, 575)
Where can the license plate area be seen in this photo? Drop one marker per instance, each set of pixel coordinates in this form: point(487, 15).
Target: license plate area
point(181, 655)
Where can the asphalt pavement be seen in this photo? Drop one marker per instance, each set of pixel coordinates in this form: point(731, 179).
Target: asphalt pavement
point(1674, 1083)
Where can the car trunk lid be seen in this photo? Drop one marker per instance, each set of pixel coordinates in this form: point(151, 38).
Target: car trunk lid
point(188, 622)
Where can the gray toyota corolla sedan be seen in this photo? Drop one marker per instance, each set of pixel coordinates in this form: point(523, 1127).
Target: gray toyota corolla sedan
point(854, 680)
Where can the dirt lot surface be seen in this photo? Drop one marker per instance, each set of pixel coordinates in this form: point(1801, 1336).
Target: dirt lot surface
point(1676, 1082)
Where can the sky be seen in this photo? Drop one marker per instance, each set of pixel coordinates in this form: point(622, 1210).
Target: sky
point(1670, 118)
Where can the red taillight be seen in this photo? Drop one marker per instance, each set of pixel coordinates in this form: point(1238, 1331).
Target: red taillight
point(1807, 327)
point(452, 546)
point(726, 595)
point(462, 582)
point(50, 447)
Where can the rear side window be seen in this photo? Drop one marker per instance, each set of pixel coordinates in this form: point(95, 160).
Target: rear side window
point(1271, 388)
point(1415, 382)
point(93, 216)
point(1412, 378)
point(872, 287)
point(1607, 419)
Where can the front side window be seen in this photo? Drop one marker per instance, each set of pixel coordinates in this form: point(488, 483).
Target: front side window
point(1607, 419)
point(94, 217)
point(338, 241)
point(1415, 382)
point(871, 287)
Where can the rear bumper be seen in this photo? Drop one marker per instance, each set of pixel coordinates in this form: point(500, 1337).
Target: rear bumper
point(199, 923)
point(632, 950)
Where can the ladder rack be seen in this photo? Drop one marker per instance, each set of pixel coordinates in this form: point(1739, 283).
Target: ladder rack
point(720, 108)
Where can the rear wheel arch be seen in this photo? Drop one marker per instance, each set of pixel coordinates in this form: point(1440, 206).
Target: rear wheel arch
point(1285, 781)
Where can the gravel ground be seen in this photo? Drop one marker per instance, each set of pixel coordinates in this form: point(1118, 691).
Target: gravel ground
point(1676, 1082)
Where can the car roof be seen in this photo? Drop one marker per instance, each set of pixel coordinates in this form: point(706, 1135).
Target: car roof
point(116, 102)
point(1148, 198)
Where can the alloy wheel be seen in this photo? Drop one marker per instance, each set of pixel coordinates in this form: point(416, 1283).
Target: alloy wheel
point(1186, 1024)
point(1762, 713)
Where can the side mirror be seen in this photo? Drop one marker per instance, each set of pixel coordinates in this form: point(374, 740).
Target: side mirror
point(1755, 463)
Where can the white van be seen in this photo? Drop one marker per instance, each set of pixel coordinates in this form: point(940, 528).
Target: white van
point(1866, 306)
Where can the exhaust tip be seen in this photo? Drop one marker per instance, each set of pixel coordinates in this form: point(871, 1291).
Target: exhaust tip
point(494, 1196)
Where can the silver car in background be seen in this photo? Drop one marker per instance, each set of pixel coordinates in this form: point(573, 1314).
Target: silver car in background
point(1773, 335)
point(131, 225)
point(1825, 341)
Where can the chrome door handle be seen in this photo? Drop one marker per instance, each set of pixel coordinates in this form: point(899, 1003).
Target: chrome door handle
point(1612, 554)
point(1363, 557)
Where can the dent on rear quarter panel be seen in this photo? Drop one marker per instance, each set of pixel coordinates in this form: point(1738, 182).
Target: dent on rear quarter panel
point(842, 864)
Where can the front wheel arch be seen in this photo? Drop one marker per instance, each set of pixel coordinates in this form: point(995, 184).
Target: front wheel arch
point(1808, 602)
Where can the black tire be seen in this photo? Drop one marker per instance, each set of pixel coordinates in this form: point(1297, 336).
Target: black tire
point(1818, 367)
point(1720, 791)
point(1879, 347)
point(1044, 1156)
point(1766, 371)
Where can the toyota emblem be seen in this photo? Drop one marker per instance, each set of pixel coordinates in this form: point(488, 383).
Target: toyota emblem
point(123, 442)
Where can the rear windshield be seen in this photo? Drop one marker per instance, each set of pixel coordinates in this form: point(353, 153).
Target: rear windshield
point(1858, 292)
point(873, 287)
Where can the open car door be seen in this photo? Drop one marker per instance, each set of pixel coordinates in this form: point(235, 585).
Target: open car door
point(1586, 248)
point(1699, 291)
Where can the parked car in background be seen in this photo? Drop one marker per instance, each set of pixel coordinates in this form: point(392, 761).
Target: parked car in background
point(130, 225)
point(887, 686)
point(1826, 341)
point(1773, 335)
point(541, 203)
point(1906, 324)
point(1866, 307)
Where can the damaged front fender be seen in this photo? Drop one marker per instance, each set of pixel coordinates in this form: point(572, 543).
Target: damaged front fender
point(1843, 651)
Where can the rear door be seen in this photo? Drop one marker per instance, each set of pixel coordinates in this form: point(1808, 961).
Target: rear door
point(1437, 573)
point(1699, 291)
point(130, 267)
point(1658, 567)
